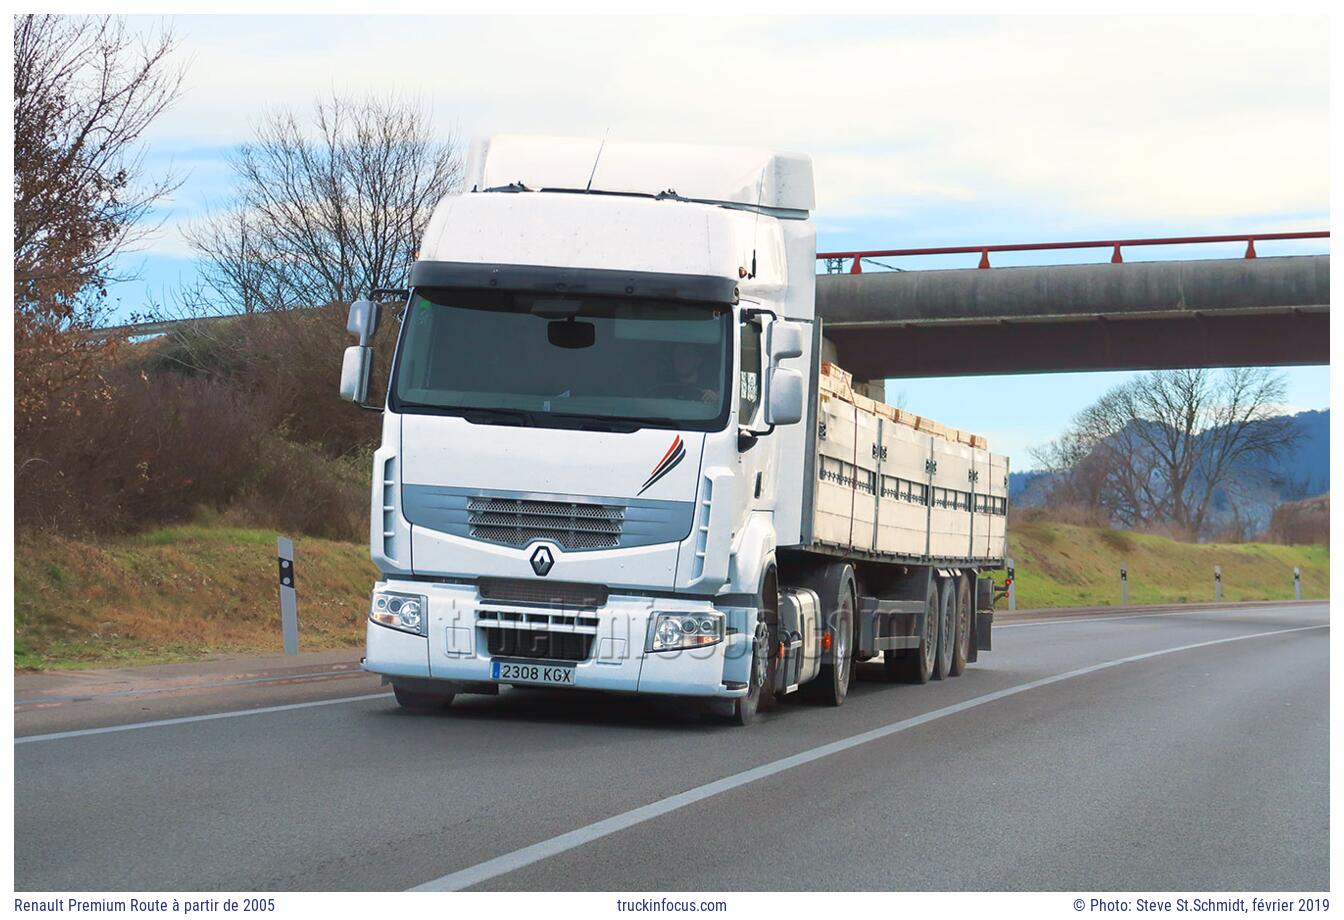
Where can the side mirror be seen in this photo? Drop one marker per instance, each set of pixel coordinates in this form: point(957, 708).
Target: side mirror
point(355, 368)
point(784, 398)
point(786, 340)
point(362, 321)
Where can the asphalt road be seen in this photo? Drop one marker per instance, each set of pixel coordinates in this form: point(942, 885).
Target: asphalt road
point(1172, 752)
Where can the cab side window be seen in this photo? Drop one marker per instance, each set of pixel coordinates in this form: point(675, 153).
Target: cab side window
point(749, 374)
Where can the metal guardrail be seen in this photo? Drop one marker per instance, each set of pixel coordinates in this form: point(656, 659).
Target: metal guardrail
point(1250, 239)
point(157, 327)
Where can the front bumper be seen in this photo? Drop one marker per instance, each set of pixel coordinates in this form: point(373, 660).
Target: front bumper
point(456, 646)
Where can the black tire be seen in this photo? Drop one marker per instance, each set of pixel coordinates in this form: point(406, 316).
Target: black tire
point(761, 677)
point(837, 669)
point(961, 651)
point(421, 702)
point(916, 665)
point(947, 627)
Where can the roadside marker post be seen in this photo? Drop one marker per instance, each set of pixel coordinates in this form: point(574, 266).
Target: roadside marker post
point(1124, 586)
point(289, 600)
point(1297, 582)
point(1217, 582)
point(1012, 585)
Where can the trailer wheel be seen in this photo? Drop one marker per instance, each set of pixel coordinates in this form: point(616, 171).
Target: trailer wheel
point(421, 702)
point(916, 665)
point(961, 650)
point(947, 627)
point(832, 681)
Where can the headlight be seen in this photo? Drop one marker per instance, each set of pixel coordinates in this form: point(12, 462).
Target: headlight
point(685, 630)
point(407, 612)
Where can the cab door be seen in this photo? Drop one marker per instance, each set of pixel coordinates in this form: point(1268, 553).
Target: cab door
point(756, 465)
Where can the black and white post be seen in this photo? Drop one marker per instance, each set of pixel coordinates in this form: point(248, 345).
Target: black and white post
point(1124, 586)
point(1297, 582)
point(289, 600)
point(1012, 585)
point(1217, 582)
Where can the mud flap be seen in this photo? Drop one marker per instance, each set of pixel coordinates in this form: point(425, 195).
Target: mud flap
point(984, 622)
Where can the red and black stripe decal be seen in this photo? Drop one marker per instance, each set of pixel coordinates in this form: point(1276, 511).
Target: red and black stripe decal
point(675, 454)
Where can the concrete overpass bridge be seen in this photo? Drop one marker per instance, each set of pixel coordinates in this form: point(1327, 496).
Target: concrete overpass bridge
point(1115, 315)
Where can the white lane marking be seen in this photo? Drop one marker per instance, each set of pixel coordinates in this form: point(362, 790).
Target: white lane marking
point(1145, 616)
point(510, 862)
point(56, 736)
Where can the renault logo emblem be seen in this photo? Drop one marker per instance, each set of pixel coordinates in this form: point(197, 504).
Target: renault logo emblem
point(542, 560)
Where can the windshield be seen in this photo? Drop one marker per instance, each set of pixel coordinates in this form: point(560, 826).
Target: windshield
point(564, 361)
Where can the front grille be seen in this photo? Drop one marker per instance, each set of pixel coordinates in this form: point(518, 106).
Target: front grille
point(554, 637)
point(567, 595)
point(571, 525)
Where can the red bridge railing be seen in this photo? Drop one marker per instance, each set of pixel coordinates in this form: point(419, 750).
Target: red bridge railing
point(1115, 246)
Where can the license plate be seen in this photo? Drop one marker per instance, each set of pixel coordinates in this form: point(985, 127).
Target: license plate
point(525, 672)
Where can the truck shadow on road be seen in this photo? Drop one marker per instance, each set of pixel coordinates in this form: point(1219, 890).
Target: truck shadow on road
point(591, 708)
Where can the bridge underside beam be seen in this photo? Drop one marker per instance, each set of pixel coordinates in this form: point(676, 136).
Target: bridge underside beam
point(1136, 315)
point(1191, 340)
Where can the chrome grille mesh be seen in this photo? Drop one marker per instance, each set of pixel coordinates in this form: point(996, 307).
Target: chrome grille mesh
point(518, 521)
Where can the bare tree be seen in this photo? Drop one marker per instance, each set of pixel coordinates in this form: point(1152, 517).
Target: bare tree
point(85, 91)
point(328, 211)
point(1078, 472)
point(239, 272)
point(1156, 451)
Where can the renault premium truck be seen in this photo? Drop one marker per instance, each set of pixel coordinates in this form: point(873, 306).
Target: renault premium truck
point(614, 456)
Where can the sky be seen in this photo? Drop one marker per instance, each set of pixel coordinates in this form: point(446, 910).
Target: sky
point(924, 131)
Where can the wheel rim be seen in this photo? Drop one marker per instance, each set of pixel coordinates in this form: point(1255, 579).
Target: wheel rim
point(759, 664)
point(931, 617)
point(949, 636)
point(841, 651)
point(963, 627)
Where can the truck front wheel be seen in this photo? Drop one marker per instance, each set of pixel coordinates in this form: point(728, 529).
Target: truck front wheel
point(746, 707)
point(761, 678)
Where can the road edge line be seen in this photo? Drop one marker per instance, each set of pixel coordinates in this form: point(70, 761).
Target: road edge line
point(182, 720)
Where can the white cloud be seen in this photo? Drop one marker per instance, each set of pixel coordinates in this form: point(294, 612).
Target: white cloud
point(1163, 119)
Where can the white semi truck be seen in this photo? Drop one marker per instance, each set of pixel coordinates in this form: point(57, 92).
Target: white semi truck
point(614, 458)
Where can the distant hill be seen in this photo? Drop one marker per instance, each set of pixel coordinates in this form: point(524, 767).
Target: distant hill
point(1306, 471)
point(1301, 473)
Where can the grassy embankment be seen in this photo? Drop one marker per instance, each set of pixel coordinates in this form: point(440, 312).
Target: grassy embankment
point(188, 592)
point(177, 594)
point(1060, 565)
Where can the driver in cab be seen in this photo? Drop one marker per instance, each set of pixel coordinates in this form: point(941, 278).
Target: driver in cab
point(692, 377)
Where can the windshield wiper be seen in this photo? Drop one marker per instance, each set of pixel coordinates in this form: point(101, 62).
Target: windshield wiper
point(517, 417)
point(589, 422)
point(672, 422)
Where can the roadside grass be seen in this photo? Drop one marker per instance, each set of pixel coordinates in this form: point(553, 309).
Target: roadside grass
point(206, 589)
point(178, 593)
point(1062, 565)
